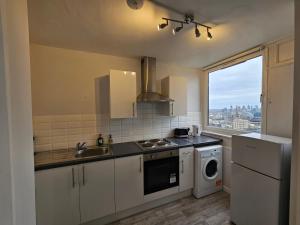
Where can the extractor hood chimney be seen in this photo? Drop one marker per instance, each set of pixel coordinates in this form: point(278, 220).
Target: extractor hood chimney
point(148, 79)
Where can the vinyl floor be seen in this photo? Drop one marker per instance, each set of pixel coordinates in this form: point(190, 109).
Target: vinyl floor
point(210, 210)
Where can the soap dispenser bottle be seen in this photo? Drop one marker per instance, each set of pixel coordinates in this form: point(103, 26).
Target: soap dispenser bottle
point(110, 140)
point(100, 140)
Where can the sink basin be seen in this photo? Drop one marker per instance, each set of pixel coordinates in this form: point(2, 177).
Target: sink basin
point(94, 151)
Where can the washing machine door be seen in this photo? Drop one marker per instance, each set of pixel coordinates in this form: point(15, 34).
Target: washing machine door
point(210, 168)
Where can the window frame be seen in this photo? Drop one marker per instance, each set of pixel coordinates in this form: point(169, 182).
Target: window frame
point(205, 97)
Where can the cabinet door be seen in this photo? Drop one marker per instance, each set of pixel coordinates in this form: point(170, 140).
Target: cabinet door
point(178, 92)
point(96, 190)
point(57, 196)
point(186, 167)
point(122, 94)
point(280, 100)
point(175, 87)
point(129, 188)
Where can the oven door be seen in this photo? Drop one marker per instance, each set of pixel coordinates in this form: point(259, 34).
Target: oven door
point(161, 174)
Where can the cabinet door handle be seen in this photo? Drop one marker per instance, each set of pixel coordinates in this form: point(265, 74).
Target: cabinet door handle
point(182, 169)
point(83, 175)
point(140, 164)
point(172, 105)
point(73, 178)
point(133, 109)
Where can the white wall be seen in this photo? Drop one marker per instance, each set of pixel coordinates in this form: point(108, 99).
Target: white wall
point(63, 81)
point(17, 198)
point(66, 107)
point(295, 189)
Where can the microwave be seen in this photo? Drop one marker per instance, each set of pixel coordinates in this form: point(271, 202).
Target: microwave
point(181, 132)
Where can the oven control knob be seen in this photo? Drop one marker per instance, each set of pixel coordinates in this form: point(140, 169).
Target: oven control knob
point(171, 153)
point(151, 156)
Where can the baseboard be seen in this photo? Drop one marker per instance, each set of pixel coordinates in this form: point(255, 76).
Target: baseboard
point(226, 189)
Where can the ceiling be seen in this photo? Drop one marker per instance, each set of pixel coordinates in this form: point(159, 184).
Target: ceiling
point(111, 27)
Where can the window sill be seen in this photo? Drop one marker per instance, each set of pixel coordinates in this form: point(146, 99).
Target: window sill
point(225, 133)
point(219, 134)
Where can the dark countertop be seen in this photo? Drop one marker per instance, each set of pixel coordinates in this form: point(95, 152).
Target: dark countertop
point(66, 157)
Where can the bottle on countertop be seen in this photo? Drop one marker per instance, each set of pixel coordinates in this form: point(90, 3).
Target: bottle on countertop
point(100, 140)
point(110, 140)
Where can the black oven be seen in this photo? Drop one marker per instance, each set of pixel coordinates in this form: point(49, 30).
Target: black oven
point(161, 171)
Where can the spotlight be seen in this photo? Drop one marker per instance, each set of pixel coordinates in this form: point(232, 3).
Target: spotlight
point(177, 29)
point(135, 4)
point(162, 25)
point(209, 36)
point(197, 32)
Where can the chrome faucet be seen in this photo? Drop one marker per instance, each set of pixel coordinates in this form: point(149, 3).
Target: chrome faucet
point(81, 147)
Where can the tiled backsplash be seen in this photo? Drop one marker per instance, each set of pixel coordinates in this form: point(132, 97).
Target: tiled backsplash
point(64, 131)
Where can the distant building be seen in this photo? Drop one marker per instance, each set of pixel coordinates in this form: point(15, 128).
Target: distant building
point(240, 124)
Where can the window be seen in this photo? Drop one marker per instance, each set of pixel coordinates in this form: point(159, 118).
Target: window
point(234, 96)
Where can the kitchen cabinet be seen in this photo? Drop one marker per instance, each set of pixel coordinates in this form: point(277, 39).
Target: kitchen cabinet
point(280, 101)
point(129, 188)
point(281, 52)
point(57, 196)
point(280, 75)
point(175, 87)
point(75, 195)
point(96, 190)
point(122, 94)
point(186, 168)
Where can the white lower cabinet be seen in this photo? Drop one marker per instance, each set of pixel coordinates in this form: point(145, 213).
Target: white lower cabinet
point(186, 168)
point(96, 190)
point(57, 196)
point(75, 195)
point(129, 191)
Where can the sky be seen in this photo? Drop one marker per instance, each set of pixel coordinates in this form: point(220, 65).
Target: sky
point(240, 84)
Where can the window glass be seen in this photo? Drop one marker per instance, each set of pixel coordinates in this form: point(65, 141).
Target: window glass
point(234, 96)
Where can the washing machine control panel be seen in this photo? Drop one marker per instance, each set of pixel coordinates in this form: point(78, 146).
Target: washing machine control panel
point(210, 153)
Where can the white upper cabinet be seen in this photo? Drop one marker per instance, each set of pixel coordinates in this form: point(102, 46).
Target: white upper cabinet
point(122, 94)
point(96, 190)
point(186, 167)
point(57, 196)
point(175, 87)
point(129, 179)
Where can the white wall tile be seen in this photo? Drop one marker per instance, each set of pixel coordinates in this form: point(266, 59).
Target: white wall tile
point(64, 131)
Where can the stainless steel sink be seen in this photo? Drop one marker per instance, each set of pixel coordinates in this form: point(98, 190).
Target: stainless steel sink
point(94, 151)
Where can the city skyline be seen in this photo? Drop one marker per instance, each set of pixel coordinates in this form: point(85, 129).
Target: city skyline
point(234, 106)
point(240, 84)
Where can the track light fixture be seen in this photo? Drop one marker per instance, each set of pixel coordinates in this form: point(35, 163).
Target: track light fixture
point(162, 25)
point(189, 19)
point(197, 32)
point(177, 29)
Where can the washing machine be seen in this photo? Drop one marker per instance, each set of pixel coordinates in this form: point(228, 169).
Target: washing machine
point(208, 170)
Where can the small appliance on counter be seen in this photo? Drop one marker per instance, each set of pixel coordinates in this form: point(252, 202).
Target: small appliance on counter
point(195, 131)
point(181, 132)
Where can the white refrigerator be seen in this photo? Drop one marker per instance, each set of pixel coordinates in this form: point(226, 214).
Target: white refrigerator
point(260, 180)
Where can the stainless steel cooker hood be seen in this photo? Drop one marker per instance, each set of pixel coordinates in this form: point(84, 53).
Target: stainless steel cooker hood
point(148, 79)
